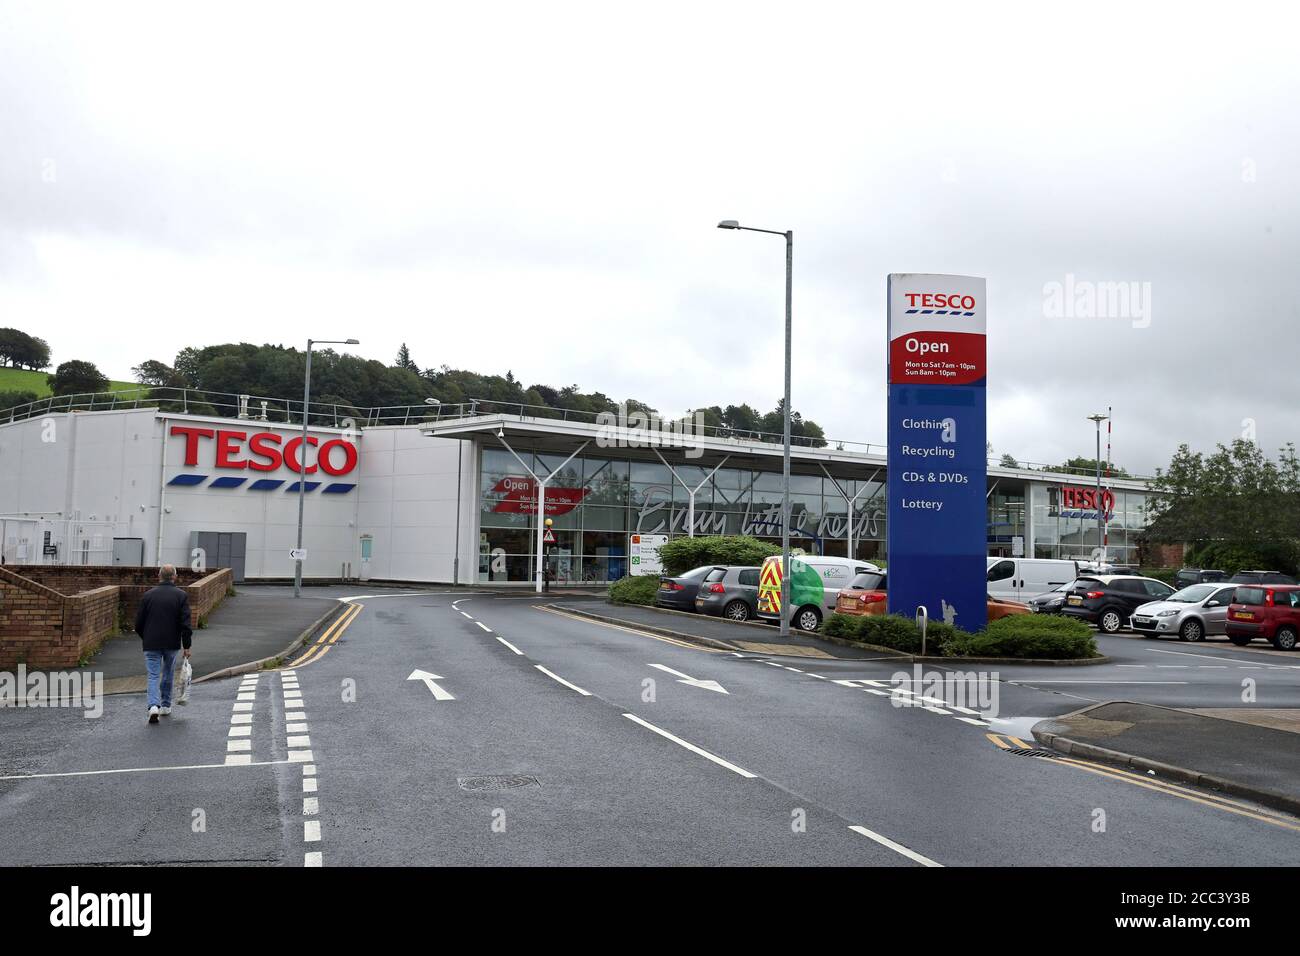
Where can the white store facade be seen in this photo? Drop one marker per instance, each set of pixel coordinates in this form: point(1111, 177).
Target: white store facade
point(452, 497)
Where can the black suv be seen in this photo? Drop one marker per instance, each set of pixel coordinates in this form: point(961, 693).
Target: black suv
point(1262, 577)
point(1107, 600)
point(1189, 576)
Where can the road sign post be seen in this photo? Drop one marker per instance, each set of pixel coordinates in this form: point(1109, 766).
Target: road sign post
point(937, 526)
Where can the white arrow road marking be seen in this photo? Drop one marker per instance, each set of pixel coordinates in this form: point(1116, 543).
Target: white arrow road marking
point(438, 692)
point(691, 681)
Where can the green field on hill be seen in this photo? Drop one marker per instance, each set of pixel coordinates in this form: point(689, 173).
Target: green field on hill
point(25, 380)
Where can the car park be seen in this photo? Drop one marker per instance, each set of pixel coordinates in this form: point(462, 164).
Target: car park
point(677, 593)
point(1108, 600)
point(1271, 613)
point(1016, 579)
point(1191, 613)
point(815, 585)
point(730, 592)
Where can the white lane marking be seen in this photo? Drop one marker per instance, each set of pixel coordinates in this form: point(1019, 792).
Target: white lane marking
point(466, 614)
point(690, 746)
point(240, 732)
point(773, 663)
point(292, 695)
point(298, 743)
point(691, 681)
point(1233, 660)
point(241, 718)
point(818, 676)
point(311, 831)
point(878, 693)
point(313, 859)
point(245, 697)
point(293, 705)
point(310, 806)
point(557, 677)
point(896, 847)
point(795, 669)
point(509, 645)
point(973, 721)
point(309, 785)
point(309, 770)
point(238, 746)
point(484, 626)
point(235, 760)
point(288, 672)
point(429, 681)
point(243, 707)
point(296, 728)
point(363, 597)
point(300, 756)
point(1031, 681)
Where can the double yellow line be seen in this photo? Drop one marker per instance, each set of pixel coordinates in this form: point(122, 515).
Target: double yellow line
point(330, 635)
point(1007, 742)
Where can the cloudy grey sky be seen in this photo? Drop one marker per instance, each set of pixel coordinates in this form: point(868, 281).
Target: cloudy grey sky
point(534, 187)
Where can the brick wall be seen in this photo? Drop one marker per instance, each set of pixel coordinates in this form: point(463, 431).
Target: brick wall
point(53, 616)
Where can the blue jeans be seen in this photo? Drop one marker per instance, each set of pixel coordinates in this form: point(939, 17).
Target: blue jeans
point(161, 666)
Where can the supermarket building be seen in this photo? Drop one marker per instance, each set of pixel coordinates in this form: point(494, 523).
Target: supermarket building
point(448, 493)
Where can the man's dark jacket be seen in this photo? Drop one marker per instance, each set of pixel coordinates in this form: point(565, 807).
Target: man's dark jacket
point(163, 618)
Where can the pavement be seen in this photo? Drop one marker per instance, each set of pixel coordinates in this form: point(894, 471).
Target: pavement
point(256, 623)
point(454, 728)
point(1262, 763)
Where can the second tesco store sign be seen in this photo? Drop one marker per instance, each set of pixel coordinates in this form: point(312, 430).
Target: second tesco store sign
point(262, 451)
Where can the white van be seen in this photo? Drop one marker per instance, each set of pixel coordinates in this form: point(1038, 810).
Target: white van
point(815, 583)
point(1019, 579)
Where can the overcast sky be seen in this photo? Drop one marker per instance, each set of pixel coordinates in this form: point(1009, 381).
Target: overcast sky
point(535, 187)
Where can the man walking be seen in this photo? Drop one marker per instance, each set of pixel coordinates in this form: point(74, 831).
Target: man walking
point(163, 623)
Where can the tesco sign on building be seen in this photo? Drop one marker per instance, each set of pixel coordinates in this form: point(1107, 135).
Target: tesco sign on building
point(261, 452)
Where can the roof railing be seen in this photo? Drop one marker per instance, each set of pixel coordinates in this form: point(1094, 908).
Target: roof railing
point(282, 411)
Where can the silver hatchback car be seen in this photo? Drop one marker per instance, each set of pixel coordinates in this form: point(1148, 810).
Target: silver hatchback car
point(1192, 614)
point(729, 591)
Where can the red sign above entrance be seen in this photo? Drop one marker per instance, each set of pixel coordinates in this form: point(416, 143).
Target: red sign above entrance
point(521, 497)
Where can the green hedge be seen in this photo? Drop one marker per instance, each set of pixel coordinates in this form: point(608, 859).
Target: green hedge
point(682, 554)
point(1025, 635)
point(638, 589)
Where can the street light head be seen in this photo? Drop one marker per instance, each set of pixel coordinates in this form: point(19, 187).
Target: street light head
point(728, 224)
point(352, 342)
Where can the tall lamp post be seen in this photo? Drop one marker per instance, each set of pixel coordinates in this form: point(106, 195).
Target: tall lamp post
point(302, 452)
point(785, 457)
point(1101, 545)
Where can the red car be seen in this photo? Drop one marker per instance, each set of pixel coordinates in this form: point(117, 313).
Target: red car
point(1271, 612)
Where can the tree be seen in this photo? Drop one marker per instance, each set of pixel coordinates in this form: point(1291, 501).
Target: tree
point(1234, 505)
point(404, 360)
point(1009, 461)
point(76, 377)
point(1089, 465)
point(21, 350)
point(153, 372)
point(12, 399)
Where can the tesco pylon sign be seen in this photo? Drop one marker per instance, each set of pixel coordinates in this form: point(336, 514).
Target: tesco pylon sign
point(253, 452)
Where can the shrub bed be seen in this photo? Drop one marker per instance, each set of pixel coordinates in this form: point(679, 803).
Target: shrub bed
point(682, 554)
point(1021, 636)
point(638, 589)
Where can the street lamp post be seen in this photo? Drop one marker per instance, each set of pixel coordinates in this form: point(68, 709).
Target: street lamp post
point(785, 426)
point(302, 452)
point(1101, 546)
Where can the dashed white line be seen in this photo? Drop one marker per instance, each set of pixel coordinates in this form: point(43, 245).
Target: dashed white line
point(484, 626)
point(896, 847)
point(509, 645)
point(557, 677)
point(311, 831)
point(690, 746)
point(313, 859)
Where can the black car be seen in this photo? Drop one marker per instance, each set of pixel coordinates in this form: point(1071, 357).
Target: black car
point(1108, 600)
point(1189, 576)
point(1262, 577)
point(678, 593)
point(1049, 602)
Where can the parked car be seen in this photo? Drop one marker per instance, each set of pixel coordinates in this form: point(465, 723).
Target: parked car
point(866, 594)
point(730, 592)
point(1262, 577)
point(1016, 579)
point(1108, 600)
point(815, 584)
point(1272, 613)
point(1188, 576)
point(1049, 602)
point(678, 593)
point(1193, 613)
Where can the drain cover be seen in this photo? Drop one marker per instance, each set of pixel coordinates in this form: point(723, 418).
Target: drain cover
point(503, 781)
point(1024, 752)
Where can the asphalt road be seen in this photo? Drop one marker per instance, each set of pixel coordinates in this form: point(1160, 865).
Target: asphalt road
point(533, 737)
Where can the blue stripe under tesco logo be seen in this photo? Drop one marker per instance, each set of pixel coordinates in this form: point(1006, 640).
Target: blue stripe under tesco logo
point(261, 484)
